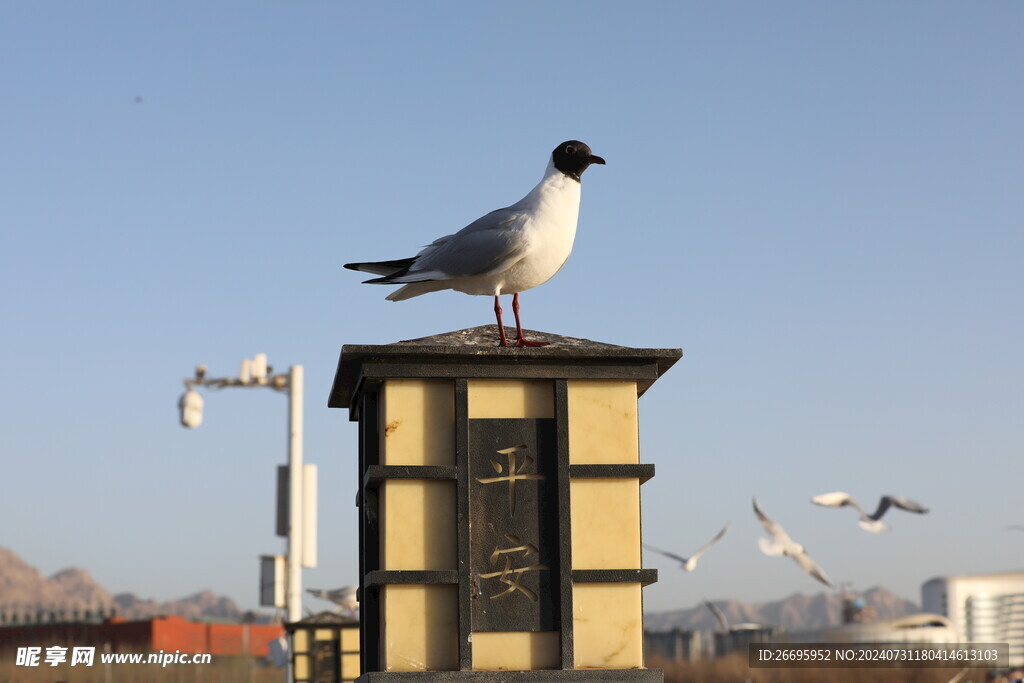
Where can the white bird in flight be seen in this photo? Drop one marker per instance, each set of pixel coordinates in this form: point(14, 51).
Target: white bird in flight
point(872, 522)
point(345, 598)
point(688, 564)
point(506, 251)
point(723, 622)
point(782, 544)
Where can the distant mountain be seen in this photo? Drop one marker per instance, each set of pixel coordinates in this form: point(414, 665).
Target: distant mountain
point(24, 589)
point(203, 605)
point(24, 586)
point(797, 612)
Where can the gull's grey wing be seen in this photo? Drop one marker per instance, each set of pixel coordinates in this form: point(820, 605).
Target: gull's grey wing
point(719, 615)
point(883, 505)
point(710, 543)
point(904, 504)
point(776, 531)
point(809, 566)
point(852, 503)
point(666, 554)
point(488, 245)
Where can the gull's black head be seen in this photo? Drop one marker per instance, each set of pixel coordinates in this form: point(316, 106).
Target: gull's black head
point(572, 158)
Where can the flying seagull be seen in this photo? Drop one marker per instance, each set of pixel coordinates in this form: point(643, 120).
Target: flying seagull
point(690, 563)
point(507, 251)
point(873, 521)
point(344, 598)
point(782, 544)
point(719, 615)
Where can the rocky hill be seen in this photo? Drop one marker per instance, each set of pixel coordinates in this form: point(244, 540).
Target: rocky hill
point(797, 612)
point(202, 605)
point(24, 585)
point(24, 589)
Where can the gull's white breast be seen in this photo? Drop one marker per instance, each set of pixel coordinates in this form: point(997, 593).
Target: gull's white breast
point(546, 235)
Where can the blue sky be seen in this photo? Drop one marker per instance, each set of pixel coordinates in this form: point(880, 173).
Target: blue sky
point(818, 202)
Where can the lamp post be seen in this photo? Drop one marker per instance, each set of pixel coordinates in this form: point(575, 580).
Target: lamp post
point(254, 374)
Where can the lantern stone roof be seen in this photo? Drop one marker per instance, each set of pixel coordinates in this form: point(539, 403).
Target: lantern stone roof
point(474, 352)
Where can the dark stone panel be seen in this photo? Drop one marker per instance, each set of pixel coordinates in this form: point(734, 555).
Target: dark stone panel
point(514, 544)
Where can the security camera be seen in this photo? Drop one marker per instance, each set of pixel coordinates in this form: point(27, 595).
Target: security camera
point(191, 405)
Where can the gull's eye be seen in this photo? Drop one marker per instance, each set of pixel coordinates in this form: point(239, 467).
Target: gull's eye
point(569, 149)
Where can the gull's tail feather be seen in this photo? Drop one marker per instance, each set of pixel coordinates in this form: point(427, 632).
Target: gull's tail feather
point(416, 289)
point(385, 268)
point(770, 547)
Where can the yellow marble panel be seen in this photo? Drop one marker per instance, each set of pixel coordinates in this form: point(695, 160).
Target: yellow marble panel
point(418, 528)
point(603, 426)
point(350, 639)
point(302, 667)
point(516, 651)
point(421, 628)
point(605, 517)
point(324, 634)
point(300, 640)
point(417, 422)
point(349, 667)
point(503, 398)
point(608, 630)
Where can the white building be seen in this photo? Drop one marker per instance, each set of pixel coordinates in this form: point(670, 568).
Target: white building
point(986, 608)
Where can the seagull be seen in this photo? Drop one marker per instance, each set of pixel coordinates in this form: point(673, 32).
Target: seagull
point(873, 521)
point(344, 598)
point(689, 564)
point(782, 544)
point(506, 251)
point(719, 615)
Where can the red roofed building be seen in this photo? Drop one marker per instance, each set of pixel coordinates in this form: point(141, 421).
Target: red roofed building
point(170, 634)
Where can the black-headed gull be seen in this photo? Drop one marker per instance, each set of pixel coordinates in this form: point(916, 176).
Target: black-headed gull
point(782, 544)
point(872, 522)
point(507, 251)
point(688, 564)
point(344, 598)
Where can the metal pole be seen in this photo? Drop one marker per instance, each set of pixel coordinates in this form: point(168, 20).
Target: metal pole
point(295, 504)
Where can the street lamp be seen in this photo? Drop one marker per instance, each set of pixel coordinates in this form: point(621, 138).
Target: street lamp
point(255, 373)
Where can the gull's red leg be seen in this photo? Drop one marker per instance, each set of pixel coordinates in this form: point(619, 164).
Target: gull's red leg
point(501, 326)
point(520, 339)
